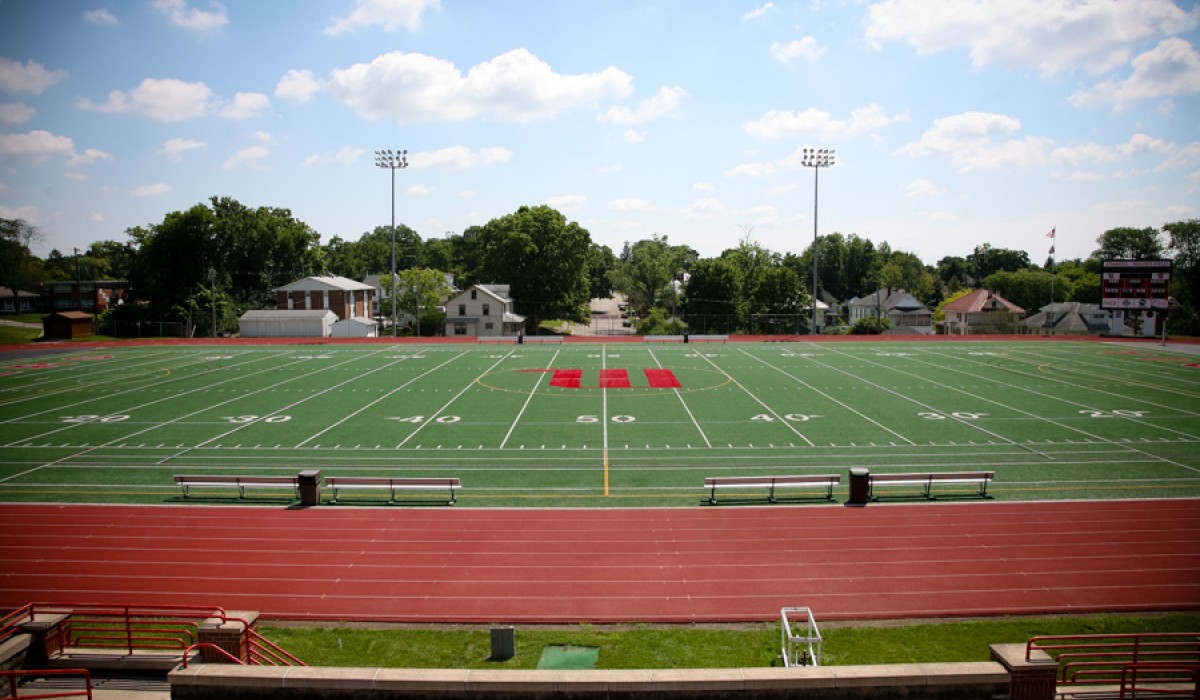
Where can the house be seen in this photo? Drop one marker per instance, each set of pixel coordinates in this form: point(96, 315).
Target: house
point(897, 306)
point(295, 323)
point(1069, 318)
point(66, 325)
point(981, 311)
point(355, 327)
point(482, 310)
point(92, 296)
point(22, 302)
point(344, 297)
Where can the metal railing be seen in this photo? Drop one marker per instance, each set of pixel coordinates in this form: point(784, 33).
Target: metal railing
point(1157, 660)
point(13, 681)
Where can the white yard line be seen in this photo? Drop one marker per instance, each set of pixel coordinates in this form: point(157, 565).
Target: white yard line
point(532, 392)
point(96, 368)
point(1125, 380)
point(446, 405)
point(757, 400)
point(827, 396)
point(381, 398)
point(679, 395)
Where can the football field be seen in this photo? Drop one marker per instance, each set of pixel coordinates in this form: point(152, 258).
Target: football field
point(601, 425)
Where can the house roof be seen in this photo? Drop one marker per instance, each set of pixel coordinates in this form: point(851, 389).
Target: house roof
point(889, 299)
point(1070, 317)
point(357, 321)
point(285, 314)
point(324, 282)
point(21, 293)
point(73, 315)
point(982, 300)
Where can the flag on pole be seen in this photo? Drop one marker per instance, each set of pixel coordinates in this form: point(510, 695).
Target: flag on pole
point(1052, 250)
point(1051, 234)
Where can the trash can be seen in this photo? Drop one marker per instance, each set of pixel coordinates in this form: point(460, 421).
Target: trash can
point(860, 486)
point(504, 643)
point(310, 487)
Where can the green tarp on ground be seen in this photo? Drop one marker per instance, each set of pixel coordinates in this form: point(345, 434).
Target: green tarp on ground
point(556, 658)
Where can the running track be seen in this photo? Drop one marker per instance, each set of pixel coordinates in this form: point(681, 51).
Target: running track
point(575, 565)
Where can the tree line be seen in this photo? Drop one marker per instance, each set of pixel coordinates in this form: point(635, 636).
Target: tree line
point(221, 258)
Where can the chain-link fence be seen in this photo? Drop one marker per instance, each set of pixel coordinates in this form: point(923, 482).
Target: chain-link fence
point(142, 329)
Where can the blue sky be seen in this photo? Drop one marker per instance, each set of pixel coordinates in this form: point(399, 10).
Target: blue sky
point(955, 122)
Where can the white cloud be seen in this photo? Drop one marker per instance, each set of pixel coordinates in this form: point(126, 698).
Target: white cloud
point(611, 168)
point(167, 100)
point(36, 146)
point(297, 86)
point(154, 190)
point(459, 157)
point(783, 188)
point(179, 14)
point(101, 18)
point(759, 11)
point(778, 123)
point(347, 155)
point(513, 87)
point(806, 48)
point(1171, 68)
point(245, 105)
point(751, 170)
point(567, 203)
point(419, 191)
point(15, 112)
point(1186, 157)
point(664, 103)
point(970, 140)
point(1052, 35)
point(922, 188)
point(175, 148)
point(761, 215)
point(388, 14)
point(702, 209)
point(29, 78)
point(96, 217)
point(28, 213)
point(704, 187)
point(629, 204)
point(634, 136)
point(90, 156)
point(250, 157)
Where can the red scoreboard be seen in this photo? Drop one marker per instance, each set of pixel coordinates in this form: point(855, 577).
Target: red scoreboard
point(1131, 285)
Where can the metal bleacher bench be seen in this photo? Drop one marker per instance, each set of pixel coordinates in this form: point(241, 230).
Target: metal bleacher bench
point(187, 481)
point(771, 482)
point(392, 484)
point(689, 338)
point(927, 480)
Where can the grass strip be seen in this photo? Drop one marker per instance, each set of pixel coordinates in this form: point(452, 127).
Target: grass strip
point(734, 646)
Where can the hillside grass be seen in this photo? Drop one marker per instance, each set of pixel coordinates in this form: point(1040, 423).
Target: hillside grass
point(680, 647)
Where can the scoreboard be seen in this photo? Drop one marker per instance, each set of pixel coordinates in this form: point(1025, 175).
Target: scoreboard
point(1130, 285)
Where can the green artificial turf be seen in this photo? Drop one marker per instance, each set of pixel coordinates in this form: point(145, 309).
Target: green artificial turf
point(1054, 420)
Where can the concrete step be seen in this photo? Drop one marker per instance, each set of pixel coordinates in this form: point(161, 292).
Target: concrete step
point(105, 687)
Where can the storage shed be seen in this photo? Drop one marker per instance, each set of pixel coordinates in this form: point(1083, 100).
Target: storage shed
point(67, 325)
point(287, 324)
point(356, 327)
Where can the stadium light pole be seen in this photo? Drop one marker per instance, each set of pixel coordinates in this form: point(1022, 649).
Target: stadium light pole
point(393, 162)
point(816, 159)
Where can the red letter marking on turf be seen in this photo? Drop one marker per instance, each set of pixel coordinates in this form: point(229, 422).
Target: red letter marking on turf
point(566, 378)
point(661, 379)
point(614, 379)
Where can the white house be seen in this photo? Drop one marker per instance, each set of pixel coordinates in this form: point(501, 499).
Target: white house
point(898, 306)
point(981, 311)
point(355, 327)
point(482, 310)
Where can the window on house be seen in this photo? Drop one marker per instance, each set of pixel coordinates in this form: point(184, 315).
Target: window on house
point(487, 310)
point(460, 329)
point(462, 309)
point(473, 293)
point(488, 325)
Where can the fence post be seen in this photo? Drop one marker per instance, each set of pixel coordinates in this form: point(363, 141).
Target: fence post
point(230, 633)
point(1028, 680)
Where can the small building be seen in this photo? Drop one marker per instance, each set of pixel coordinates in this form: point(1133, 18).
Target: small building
point(981, 311)
point(20, 302)
point(67, 325)
point(93, 296)
point(482, 310)
point(274, 323)
point(355, 327)
point(344, 297)
point(897, 306)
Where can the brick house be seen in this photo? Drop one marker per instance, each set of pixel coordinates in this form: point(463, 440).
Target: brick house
point(344, 297)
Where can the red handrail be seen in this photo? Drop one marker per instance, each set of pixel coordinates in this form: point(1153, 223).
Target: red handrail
point(264, 652)
point(1161, 671)
point(211, 647)
point(14, 675)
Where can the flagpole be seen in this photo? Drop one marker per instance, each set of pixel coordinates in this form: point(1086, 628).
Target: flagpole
point(1053, 240)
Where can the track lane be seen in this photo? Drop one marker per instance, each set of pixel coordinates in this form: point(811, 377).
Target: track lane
point(703, 564)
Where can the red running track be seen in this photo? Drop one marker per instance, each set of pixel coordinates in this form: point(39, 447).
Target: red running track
point(576, 565)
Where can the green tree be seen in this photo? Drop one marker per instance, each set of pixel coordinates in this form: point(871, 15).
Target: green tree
point(417, 285)
point(711, 295)
point(1127, 243)
point(601, 262)
point(543, 258)
point(646, 272)
point(906, 271)
point(19, 267)
point(1028, 288)
point(986, 260)
point(1184, 240)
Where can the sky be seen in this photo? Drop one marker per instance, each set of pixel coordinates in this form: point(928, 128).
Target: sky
point(954, 123)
